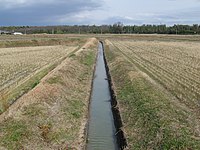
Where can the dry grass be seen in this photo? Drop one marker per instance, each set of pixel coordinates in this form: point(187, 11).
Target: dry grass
point(54, 113)
point(173, 64)
point(41, 40)
point(27, 66)
point(157, 84)
point(17, 63)
point(22, 68)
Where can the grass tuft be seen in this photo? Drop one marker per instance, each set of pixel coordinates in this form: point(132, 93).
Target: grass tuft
point(55, 80)
point(88, 59)
point(15, 132)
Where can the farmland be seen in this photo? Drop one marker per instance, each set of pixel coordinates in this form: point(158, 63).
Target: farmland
point(25, 60)
point(45, 91)
point(174, 65)
point(45, 87)
point(18, 63)
point(158, 92)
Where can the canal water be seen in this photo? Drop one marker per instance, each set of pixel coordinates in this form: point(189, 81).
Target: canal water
point(101, 130)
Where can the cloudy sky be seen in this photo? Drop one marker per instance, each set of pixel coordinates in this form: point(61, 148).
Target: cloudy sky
point(71, 12)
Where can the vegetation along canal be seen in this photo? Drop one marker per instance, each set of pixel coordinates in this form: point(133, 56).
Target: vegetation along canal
point(101, 131)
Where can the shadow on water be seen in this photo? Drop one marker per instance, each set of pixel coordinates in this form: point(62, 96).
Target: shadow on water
point(101, 130)
point(105, 123)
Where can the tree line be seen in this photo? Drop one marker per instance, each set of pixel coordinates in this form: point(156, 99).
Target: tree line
point(117, 28)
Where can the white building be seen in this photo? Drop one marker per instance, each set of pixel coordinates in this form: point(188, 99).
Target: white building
point(17, 33)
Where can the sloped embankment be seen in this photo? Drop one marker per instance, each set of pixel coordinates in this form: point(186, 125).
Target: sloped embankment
point(120, 136)
point(53, 114)
point(151, 119)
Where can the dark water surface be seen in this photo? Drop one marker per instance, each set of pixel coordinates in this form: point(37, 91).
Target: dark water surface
point(101, 124)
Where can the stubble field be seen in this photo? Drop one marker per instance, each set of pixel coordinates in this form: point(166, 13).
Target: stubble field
point(158, 89)
point(18, 63)
point(156, 79)
point(176, 65)
point(45, 87)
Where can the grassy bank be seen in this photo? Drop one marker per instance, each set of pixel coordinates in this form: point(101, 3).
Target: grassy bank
point(151, 119)
point(53, 114)
point(8, 97)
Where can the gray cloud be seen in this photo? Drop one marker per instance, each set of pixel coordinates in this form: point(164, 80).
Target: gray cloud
point(123, 19)
point(59, 12)
point(189, 16)
point(24, 12)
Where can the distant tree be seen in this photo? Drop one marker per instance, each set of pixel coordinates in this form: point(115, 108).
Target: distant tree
point(118, 28)
point(59, 31)
point(195, 28)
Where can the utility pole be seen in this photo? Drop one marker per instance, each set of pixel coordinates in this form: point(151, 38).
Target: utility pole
point(53, 31)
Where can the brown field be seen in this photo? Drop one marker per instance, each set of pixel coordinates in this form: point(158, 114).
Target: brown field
point(45, 84)
point(18, 63)
point(24, 60)
point(158, 91)
point(176, 65)
point(50, 86)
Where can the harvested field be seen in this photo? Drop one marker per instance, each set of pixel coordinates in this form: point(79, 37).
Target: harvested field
point(40, 40)
point(176, 65)
point(45, 85)
point(53, 114)
point(20, 64)
point(27, 59)
point(157, 84)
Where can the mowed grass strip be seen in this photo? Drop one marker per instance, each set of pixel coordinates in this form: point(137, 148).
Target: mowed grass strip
point(151, 120)
point(54, 113)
